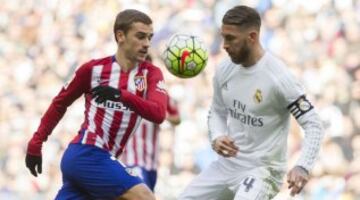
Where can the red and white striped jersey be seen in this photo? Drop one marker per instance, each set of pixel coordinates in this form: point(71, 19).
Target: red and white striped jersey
point(143, 148)
point(107, 125)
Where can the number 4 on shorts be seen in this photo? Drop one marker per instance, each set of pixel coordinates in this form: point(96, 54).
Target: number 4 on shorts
point(248, 182)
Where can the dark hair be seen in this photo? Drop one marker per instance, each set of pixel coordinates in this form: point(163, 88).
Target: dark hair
point(242, 16)
point(126, 18)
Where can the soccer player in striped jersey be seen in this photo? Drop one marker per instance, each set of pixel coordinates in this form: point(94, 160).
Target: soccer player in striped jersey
point(142, 151)
point(118, 90)
point(254, 96)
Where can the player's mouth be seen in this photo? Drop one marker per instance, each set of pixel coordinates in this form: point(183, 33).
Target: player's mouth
point(143, 52)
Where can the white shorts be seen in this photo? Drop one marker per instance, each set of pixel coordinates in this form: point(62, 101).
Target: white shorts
point(214, 183)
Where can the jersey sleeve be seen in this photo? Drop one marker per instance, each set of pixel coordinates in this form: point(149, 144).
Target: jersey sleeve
point(67, 95)
point(153, 108)
point(217, 114)
point(292, 95)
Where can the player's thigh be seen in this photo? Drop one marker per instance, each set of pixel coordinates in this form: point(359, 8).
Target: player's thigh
point(208, 185)
point(138, 192)
point(110, 180)
point(257, 186)
point(96, 172)
point(71, 192)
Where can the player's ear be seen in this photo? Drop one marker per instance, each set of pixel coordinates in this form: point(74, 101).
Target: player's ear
point(120, 36)
point(253, 36)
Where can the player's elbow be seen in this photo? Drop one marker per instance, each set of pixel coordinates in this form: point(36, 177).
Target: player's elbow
point(160, 116)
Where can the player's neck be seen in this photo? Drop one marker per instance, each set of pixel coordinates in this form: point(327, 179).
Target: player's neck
point(254, 57)
point(126, 65)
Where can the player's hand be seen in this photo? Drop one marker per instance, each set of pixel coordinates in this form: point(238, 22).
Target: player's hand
point(224, 146)
point(33, 163)
point(297, 179)
point(102, 93)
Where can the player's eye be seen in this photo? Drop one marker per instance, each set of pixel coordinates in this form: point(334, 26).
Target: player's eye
point(141, 36)
point(229, 38)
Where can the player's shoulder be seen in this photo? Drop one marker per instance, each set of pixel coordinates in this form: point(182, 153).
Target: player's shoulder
point(277, 69)
point(275, 65)
point(150, 67)
point(282, 76)
point(88, 65)
point(100, 61)
point(225, 68)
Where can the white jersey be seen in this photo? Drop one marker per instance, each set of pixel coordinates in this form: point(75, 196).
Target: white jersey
point(252, 105)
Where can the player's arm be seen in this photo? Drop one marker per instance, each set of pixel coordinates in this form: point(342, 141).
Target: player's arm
point(293, 96)
point(152, 108)
point(220, 142)
point(217, 114)
point(309, 120)
point(68, 94)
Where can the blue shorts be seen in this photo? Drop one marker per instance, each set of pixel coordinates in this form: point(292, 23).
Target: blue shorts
point(91, 173)
point(148, 176)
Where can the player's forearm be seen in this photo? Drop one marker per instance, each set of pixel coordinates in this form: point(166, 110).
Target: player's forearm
point(216, 124)
point(48, 122)
point(153, 110)
point(314, 132)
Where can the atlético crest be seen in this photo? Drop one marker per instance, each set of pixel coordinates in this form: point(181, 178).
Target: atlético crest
point(140, 83)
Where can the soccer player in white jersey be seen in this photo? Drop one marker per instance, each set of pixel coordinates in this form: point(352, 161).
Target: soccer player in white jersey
point(118, 91)
point(249, 119)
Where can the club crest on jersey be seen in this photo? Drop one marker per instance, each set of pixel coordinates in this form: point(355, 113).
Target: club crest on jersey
point(140, 83)
point(258, 96)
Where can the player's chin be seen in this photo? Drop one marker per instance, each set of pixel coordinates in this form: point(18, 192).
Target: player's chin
point(235, 60)
point(141, 57)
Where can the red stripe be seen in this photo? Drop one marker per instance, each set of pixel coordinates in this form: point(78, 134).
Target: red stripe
point(144, 134)
point(91, 138)
point(118, 115)
point(114, 128)
point(98, 119)
point(133, 116)
point(100, 112)
point(87, 107)
point(128, 132)
point(134, 146)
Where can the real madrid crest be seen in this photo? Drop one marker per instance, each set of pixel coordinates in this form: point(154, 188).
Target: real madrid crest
point(258, 96)
point(140, 83)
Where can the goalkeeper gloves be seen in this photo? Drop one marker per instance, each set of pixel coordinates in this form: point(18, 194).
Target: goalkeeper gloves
point(102, 93)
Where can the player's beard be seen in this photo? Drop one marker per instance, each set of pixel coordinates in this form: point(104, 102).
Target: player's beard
point(242, 55)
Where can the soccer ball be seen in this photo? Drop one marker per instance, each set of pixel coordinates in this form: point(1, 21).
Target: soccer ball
point(185, 55)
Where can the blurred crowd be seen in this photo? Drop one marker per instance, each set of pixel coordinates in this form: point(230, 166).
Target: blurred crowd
point(42, 43)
